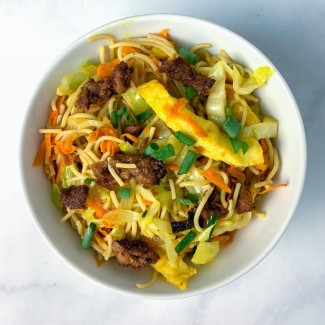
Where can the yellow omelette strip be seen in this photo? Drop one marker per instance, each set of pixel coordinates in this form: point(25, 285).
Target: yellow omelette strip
point(210, 141)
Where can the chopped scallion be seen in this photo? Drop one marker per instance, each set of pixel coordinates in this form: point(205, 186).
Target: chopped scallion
point(124, 193)
point(231, 126)
point(114, 119)
point(212, 222)
point(188, 162)
point(239, 144)
point(88, 236)
point(189, 56)
point(163, 153)
point(184, 138)
point(190, 92)
point(228, 110)
point(145, 115)
point(185, 241)
point(121, 111)
point(129, 119)
point(184, 201)
point(193, 197)
point(144, 214)
point(152, 147)
point(88, 181)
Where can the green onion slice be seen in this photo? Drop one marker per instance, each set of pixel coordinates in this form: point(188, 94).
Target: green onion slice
point(190, 92)
point(124, 193)
point(152, 147)
point(189, 56)
point(121, 111)
point(144, 214)
point(88, 236)
point(231, 126)
point(193, 197)
point(88, 181)
point(163, 153)
point(184, 201)
point(188, 162)
point(145, 115)
point(185, 241)
point(212, 222)
point(184, 138)
point(239, 144)
point(114, 119)
point(228, 110)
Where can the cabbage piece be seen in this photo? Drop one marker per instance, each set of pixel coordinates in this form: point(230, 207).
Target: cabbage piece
point(237, 221)
point(195, 176)
point(99, 193)
point(135, 101)
point(245, 86)
point(121, 217)
point(83, 123)
point(204, 236)
point(267, 129)
point(65, 176)
point(70, 82)
point(178, 147)
point(178, 276)
point(216, 102)
point(117, 232)
point(205, 252)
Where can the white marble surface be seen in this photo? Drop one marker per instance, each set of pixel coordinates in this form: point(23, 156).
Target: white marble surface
point(37, 287)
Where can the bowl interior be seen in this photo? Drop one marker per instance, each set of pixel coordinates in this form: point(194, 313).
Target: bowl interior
point(253, 242)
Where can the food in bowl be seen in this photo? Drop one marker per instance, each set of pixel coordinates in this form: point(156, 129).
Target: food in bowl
point(158, 153)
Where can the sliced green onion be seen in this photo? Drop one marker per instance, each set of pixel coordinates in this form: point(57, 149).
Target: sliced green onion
point(231, 126)
point(145, 115)
point(88, 236)
point(88, 181)
point(144, 214)
point(193, 197)
point(238, 144)
point(129, 119)
point(184, 138)
point(124, 193)
point(56, 196)
point(185, 241)
point(188, 162)
point(164, 152)
point(114, 119)
point(152, 147)
point(189, 56)
point(121, 111)
point(184, 201)
point(228, 110)
point(211, 222)
point(190, 92)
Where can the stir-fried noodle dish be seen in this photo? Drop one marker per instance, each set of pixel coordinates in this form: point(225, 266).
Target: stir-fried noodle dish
point(157, 154)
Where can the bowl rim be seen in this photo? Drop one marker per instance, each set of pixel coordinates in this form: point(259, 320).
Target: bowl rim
point(177, 294)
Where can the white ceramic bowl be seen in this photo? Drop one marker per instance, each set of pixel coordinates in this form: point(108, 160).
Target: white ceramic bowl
point(252, 243)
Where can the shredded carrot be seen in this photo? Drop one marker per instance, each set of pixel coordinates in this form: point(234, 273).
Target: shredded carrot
point(236, 173)
point(103, 232)
point(106, 69)
point(172, 166)
point(128, 49)
point(262, 167)
point(107, 224)
point(52, 118)
point(58, 175)
point(273, 187)
point(263, 145)
point(214, 177)
point(130, 136)
point(95, 207)
point(146, 202)
point(66, 147)
point(48, 144)
point(164, 33)
point(40, 155)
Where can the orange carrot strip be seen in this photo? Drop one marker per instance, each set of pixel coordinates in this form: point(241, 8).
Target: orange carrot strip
point(40, 155)
point(164, 33)
point(128, 49)
point(106, 69)
point(214, 177)
point(146, 202)
point(273, 187)
point(48, 144)
point(107, 224)
point(97, 208)
point(129, 136)
point(236, 173)
point(103, 232)
point(172, 166)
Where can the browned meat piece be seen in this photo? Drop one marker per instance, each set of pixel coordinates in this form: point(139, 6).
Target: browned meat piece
point(121, 77)
point(94, 93)
point(149, 171)
point(132, 129)
point(135, 254)
point(181, 70)
point(104, 177)
point(244, 201)
point(207, 212)
point(74, 197)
